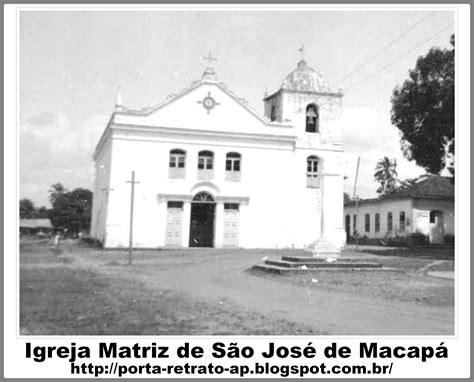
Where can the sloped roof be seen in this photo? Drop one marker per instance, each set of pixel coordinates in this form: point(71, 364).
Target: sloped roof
point(427, 187)
point(194, 85)
point(35, 223)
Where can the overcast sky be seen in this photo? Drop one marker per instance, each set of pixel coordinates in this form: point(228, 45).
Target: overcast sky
point(71, 64)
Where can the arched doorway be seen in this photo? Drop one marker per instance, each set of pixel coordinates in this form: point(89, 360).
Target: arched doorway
point(436, 227)
point(203, 208)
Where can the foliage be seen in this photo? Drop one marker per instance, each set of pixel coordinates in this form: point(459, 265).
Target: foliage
point(347, 198)
point(71, 209)
point(56, 190)
point(423, 110)
point(29, 211)
point(386, 175)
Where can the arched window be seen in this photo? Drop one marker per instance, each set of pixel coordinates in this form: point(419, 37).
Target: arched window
point(312, 118)
point(205, 165)
point(402, 221)
point(367, 223)
point(377, 222)
point(232, 167)
point(313, 172)
point(273, 114)
point(177, 165)
point(203, 197)
point(389, 222)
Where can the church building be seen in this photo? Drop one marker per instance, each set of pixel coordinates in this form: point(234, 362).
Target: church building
point(210, 171)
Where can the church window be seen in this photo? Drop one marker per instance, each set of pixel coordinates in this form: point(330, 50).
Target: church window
point(402, 221)
point(312, 118)
point(177, 165)
point(232, 167)
point(205, 165)
point(377, 222)
point(313, 175)
point(367, 223)
point(389, 221)
point(273, 114)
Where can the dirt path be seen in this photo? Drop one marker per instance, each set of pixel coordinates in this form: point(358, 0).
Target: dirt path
point(221, 278)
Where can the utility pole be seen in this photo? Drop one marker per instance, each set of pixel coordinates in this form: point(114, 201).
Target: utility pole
point(132, 197)
point(357, 205)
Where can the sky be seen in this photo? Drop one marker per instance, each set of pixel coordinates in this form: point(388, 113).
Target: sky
point(72, 63)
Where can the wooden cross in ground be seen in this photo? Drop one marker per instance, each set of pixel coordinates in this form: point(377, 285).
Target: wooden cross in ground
point(132, 199)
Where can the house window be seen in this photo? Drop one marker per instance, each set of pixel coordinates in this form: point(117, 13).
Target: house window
point(312, 118)
point(273, 114)
point(367, 223)
point(402, 221)
point(232, 167)
point(389, 221)
point(205, 165)
point(377, 222)
point(432, 216)
point(313, 176)
point(354, 224)
point(177, 165)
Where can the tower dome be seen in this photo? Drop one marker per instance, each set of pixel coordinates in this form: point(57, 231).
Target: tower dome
point(305, 79)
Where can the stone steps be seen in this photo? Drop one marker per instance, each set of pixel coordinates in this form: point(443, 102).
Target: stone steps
point(285, 270)
point(323, 264)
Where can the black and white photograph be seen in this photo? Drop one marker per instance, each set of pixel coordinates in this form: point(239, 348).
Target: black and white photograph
point(237, 172)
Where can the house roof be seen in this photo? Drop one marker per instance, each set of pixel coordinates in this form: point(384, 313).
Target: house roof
point(35, 223)
point(427, 187)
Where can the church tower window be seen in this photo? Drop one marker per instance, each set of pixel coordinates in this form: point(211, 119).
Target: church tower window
point(312, 118)
point(273, 114)
point(232, 167)
point(205, 165)
point(177, 165)
point(313, 175)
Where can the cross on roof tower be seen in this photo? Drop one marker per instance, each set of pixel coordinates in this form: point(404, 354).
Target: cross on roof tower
point(209, 72)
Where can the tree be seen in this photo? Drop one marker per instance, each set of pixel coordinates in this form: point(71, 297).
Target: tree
point(423, 110)
point(347, 198)
point(386, 175)
point(71, 210)
point(27, 209)
point(56, 190)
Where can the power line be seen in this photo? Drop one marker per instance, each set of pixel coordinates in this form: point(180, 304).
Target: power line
point(399, 57)
point(363, 62)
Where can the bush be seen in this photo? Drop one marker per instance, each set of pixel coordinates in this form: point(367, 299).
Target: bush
point(449, 239)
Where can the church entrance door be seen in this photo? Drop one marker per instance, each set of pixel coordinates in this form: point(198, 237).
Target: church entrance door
point(203, 210)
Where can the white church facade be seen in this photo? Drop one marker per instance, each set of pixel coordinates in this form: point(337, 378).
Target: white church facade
point(212, 172)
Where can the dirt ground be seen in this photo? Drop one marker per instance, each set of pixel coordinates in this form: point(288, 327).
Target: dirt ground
point(213, 291)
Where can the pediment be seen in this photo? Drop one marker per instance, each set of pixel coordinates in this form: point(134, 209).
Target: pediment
point(207, 106)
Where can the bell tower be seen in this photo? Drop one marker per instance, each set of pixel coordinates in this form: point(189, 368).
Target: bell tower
point(305, 101)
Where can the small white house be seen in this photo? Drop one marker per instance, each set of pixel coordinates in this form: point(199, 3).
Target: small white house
point(425, 207)
point(213, 172)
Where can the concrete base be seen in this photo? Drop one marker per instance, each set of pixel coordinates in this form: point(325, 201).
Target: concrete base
point(323, 248)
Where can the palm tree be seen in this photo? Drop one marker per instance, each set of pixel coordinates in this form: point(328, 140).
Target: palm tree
point(386, 175)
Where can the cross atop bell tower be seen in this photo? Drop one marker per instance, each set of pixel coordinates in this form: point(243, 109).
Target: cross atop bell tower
point(209, 72)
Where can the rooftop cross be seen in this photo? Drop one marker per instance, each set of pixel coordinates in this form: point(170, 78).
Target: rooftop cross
point(209, 72)
point(209, 58)
point(302, 51)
